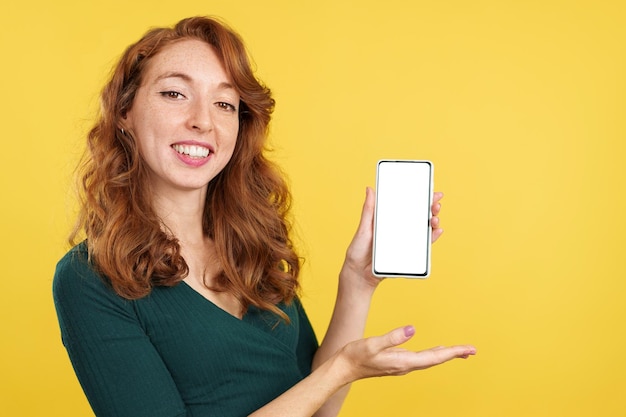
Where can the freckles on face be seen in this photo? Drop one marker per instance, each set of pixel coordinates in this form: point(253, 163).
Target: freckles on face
point(185, 116)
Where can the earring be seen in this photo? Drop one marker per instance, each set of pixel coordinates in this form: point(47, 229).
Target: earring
point(123, 131)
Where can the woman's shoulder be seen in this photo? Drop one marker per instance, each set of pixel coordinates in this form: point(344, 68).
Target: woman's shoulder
point(74, 265)
point(76, 278)
point(78, 252)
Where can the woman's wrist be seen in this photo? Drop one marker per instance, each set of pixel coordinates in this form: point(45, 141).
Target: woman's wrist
point(357, 281)
point(340, 367)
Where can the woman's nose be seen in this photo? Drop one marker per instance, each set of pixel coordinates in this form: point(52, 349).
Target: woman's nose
point(200, 117)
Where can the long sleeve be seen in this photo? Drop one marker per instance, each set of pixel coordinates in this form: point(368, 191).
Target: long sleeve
point(119, 369)
point(307, 342)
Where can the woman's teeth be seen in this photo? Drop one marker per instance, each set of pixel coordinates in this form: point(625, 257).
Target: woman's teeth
point(193, 151)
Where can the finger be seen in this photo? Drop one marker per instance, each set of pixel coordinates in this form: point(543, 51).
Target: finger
point(435, 209)
point(434, 222)
point(393, 338)
point(439, 355)
point(436, 234)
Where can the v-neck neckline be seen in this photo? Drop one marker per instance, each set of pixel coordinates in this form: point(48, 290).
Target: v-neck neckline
point(255, 319)
point(211, 303)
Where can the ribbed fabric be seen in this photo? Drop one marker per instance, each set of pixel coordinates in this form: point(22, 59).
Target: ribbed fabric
point(174, 353)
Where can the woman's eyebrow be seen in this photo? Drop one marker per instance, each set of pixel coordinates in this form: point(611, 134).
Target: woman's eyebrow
point(174, 74)
point(225, 85)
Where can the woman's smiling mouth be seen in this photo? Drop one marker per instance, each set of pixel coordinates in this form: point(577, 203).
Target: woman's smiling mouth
point(193, 151)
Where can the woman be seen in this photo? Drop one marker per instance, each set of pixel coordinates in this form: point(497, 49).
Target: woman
point(183, 298)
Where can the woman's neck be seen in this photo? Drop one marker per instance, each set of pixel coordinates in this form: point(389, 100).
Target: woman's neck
point(182, 214)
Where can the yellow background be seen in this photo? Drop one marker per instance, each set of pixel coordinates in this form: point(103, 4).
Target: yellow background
point(520, 105)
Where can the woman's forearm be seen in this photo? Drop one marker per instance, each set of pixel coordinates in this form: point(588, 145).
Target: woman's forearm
point(346, 325)
point(349, 316)
point(307, 396)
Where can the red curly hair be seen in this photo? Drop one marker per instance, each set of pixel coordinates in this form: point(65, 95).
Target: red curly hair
point(246, 206)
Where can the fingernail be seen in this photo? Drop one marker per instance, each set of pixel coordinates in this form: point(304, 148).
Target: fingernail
point(409, 331)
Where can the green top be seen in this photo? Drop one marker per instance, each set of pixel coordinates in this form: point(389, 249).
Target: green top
point(174, 353)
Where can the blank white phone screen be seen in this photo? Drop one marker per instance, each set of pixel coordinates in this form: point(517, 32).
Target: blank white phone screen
point(402, 221)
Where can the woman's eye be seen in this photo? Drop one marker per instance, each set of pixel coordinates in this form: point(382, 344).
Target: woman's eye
point(172, 94)
point(226, 106)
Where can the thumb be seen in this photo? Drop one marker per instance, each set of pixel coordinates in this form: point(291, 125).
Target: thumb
point(396, 337)
point(367, 214)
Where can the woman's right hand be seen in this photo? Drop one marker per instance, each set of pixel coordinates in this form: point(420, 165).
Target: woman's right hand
point(381, 356)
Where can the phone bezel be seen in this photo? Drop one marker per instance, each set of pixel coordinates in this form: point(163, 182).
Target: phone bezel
point(387, 274)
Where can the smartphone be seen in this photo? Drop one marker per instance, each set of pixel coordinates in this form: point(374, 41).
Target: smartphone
point(402, 231)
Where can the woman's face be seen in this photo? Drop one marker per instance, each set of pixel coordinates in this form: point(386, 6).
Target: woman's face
point(185, 117)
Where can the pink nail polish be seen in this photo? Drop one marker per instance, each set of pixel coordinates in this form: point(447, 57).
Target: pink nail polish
point(409, 331)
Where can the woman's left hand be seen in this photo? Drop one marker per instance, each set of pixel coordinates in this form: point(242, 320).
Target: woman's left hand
point(358, 260)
